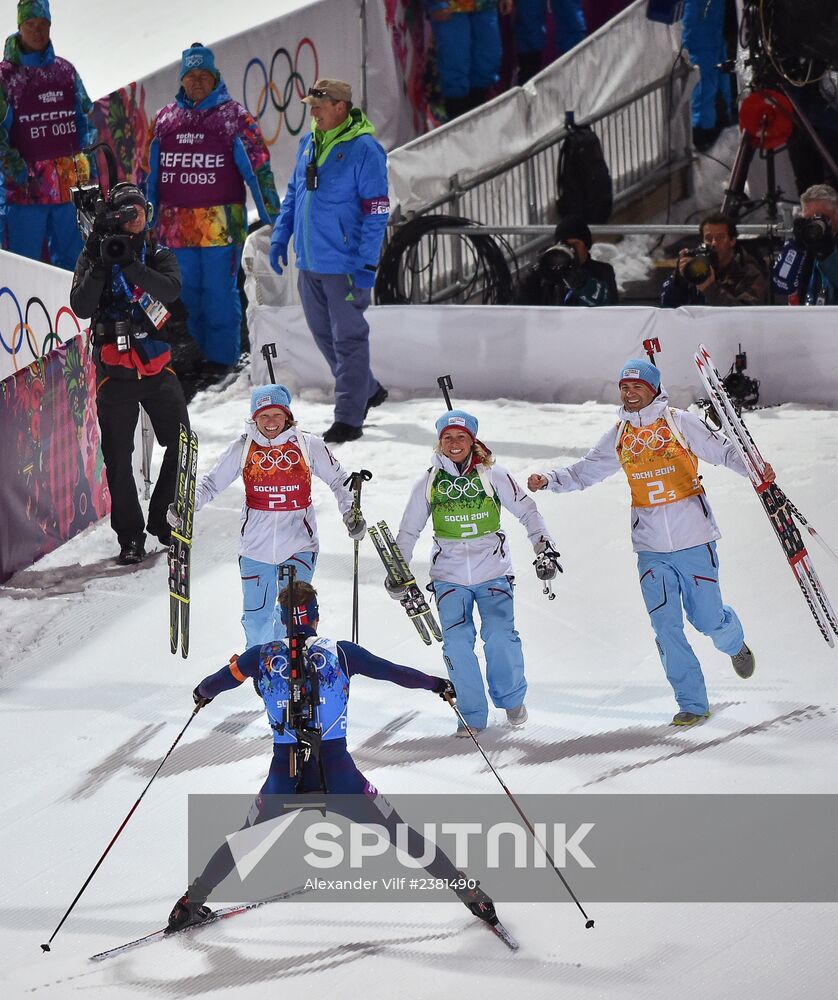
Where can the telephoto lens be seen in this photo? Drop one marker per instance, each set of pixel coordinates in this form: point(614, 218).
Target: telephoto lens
point(556, 261)
point(701, 260)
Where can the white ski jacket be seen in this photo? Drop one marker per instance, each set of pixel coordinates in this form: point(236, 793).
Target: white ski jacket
point(273, 536)
point(470, 561)
point(672, 526)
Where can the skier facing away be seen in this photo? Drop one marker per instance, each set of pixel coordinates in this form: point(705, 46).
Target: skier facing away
point(278, 526)
point(672, 527)
point(330, 770)
point(462, 493)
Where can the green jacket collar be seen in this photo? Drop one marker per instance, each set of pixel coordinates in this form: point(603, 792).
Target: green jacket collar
point(355, 124)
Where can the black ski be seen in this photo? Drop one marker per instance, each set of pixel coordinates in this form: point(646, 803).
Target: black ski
point(778, 508)
point(180, 549)
point(398, 571)
point(223, 913)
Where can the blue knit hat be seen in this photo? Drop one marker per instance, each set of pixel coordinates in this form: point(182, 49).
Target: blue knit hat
point(304, 614)
point(27, 9)
point(197, 57)
point(640, 370)
point(457, 418)
point(265, 396)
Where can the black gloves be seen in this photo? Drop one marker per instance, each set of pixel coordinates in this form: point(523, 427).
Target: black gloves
point(445, 689)
point(199, 699)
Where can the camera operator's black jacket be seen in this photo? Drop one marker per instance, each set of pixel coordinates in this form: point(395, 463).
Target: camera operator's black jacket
point(741, 283)
point(595, 285)
point(93, 295)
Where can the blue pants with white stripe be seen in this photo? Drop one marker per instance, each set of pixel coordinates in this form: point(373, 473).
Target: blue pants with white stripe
point(501, 644)
point(689, 577)
point(260, 588)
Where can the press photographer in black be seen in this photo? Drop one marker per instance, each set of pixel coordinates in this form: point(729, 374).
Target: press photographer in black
point(566, 275)
point(124, 281)
point(807, 268)
point(717, 272)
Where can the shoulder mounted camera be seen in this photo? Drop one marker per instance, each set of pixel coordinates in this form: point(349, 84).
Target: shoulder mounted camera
point(556, 261)
point(100, 219)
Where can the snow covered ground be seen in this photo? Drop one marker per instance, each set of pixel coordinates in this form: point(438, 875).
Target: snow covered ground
point(92, 699)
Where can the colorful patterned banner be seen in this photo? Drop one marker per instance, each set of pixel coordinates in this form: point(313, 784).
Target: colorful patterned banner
point(52, 481)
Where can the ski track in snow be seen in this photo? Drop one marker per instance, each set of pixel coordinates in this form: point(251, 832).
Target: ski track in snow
point(92, 699)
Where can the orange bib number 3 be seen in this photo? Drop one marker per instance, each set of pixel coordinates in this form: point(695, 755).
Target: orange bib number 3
point(659, 468)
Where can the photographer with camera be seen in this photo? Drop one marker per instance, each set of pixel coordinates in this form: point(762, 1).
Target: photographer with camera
point(807, 268)
point(717, 272)
point(124, 281)
point(565, 274)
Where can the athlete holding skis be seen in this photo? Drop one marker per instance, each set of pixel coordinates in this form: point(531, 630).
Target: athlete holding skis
point(463, 493)
point(673, 528)
point(278, 526)
point(330, 768)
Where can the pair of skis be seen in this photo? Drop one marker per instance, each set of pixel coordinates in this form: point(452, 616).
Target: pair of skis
point(780, 510)
point(399, 573)
point(180, 549)
point(225, 912)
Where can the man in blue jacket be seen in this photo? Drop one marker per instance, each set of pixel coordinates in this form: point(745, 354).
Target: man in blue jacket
point(336, 208)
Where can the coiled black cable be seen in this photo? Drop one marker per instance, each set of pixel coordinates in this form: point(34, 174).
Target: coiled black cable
point(404, 278)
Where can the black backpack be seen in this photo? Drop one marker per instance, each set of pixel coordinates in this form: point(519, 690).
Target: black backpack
point(583, 179)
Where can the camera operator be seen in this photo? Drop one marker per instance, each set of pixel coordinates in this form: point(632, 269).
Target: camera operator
point(807, 268)
point(124, 280)
point(566, 274)
point(717, 272)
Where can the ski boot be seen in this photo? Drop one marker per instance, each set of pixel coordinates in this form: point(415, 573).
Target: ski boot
point(190, 908)
point(477, 901)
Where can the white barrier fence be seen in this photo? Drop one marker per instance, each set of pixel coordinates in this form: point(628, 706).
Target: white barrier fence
point(565, 355)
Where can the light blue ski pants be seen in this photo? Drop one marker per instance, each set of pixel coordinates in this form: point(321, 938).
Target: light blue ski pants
point(501, 645)
point(688, 576)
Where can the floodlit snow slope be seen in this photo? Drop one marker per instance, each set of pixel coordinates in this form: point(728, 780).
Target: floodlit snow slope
point(92, 699)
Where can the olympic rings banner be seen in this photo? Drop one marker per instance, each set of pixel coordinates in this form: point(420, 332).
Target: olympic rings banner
point(269, 68)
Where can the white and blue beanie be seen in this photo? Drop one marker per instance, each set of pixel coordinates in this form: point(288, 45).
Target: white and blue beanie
point(265, 396)
point(197, 57)
point(457, 418)
point(640, 370)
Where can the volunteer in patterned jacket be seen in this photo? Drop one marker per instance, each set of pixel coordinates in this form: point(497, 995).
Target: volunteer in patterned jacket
point(336, 208)
point(462, 493)
point(672, 527)
point(44, 124)
point(278, 526)
point(205, 147)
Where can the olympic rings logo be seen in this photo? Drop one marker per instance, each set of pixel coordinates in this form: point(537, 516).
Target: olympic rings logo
point(282, 461)
point(646, 438)
point(278, 664)
point(281, 97)
point(23, 327)
point(460, 487)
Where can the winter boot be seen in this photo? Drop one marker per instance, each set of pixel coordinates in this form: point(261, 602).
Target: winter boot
point(477, 901)
point(462, 732)
point(340, 432)
point(516, 717)
point(688, 718)
point(190, 908)
point(744, 662)
point(132, 552)
point(376, 399)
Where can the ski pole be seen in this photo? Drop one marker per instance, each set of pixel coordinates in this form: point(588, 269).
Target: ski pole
point(46, 947)
point(444, 382)
point(588, 921)
point(355, 481)
point(268, 352)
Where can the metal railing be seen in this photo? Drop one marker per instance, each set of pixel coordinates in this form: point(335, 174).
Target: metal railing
point(643, 143)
